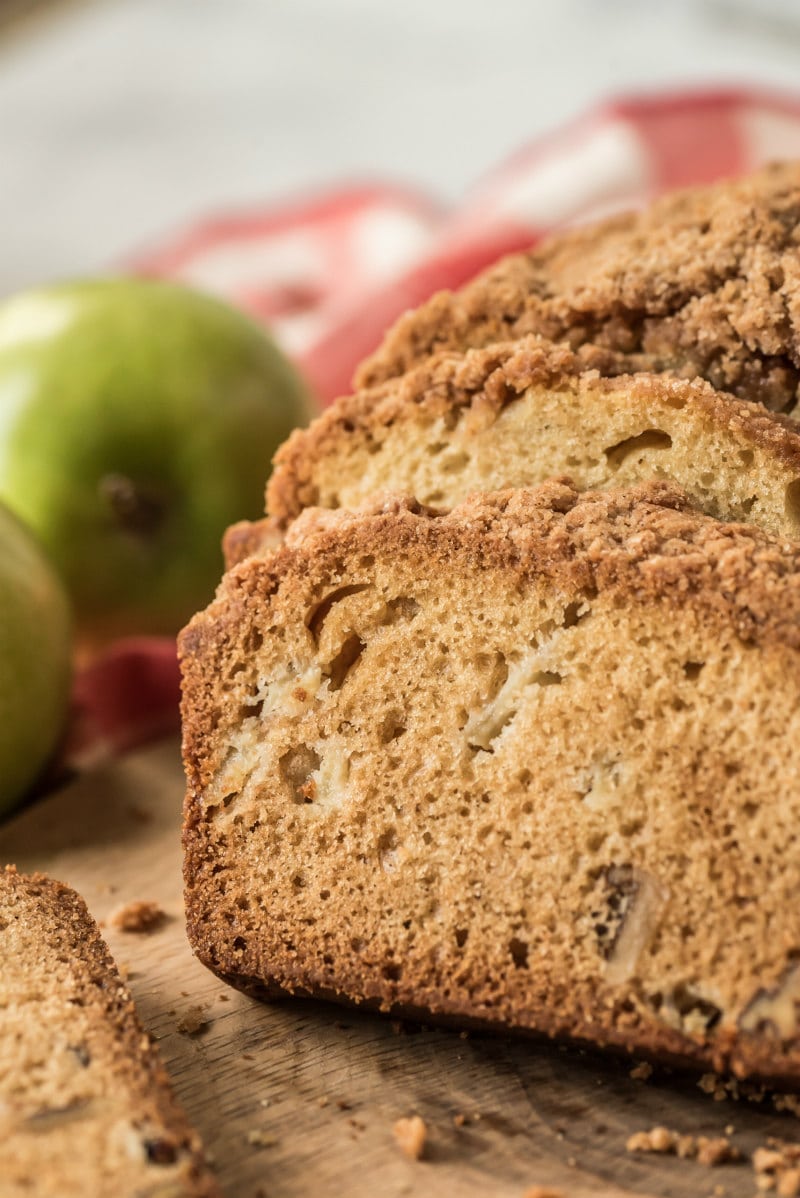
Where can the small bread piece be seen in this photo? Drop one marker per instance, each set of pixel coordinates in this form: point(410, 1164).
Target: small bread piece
point(704, 283)
point(517, 414)
point(85, 1104)
point(531, 763)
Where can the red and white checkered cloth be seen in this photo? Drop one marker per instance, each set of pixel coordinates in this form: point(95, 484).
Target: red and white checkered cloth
point(331, 273)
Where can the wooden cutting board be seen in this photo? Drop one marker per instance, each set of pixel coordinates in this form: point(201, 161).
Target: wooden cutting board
point(299, 1098)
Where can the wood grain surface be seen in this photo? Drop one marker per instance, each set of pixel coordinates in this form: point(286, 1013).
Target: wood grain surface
point(299, 1098)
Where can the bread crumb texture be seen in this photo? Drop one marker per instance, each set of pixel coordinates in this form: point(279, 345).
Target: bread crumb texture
point(411, 1135)
point(702, 283)
point(532, 762)
point(85, 1104)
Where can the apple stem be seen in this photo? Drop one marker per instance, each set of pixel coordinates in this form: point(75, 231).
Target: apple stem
point(136, 508)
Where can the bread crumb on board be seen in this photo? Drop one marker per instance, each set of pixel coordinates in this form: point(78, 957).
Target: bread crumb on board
point(141, 915)
point(777, 1168)
point(721, 1088)
point(706, 1150)
point(261, 1139)
point(642, 1071)
point(193, 1021)
point(411, 1134)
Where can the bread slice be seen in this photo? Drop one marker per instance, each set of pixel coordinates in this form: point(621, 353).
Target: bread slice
point(517, 414)
point(531, 763)
point(85, 1104)
point(703, 283)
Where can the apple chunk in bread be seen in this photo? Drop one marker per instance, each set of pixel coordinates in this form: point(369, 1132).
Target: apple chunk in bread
point(532, 763)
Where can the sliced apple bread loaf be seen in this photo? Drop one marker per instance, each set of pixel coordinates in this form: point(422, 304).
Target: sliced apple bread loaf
point(532, 763)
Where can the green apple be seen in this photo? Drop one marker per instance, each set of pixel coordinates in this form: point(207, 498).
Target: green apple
point(35, 657)
point(137, 420)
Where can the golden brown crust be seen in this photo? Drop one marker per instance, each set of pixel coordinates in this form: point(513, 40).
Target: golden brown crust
point(485, 381)
point(646, 541)
point(702, 283)
point(248, 537)
point(642, 549)
point(51, 922)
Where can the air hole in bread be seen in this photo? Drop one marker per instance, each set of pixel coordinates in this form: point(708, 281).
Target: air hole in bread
point(81, 1054)
point(161, 1151)
point(650, 439)
point(519, 952)
point(402, 607)
point(392, 728)
point(387, 849)
point(392, 972)
point(574, 613)
point(296, 767)
point(548, 678)
point(675, 399)
point(344, 661)
point(253, 640)
point(454, 463)
point(746, 457)
point(461, 935)
point(320, 612)
point(692, 669)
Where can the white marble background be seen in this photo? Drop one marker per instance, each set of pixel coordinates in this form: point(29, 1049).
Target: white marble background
point(121, 120)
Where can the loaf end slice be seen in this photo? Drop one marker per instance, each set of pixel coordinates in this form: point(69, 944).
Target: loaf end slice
point(85, 1103)
point(703, 283)
point(532, 763)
